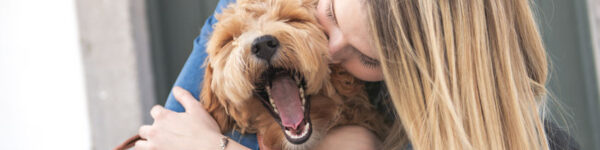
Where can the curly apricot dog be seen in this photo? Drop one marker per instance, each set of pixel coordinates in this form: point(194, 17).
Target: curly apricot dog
point(267, 72)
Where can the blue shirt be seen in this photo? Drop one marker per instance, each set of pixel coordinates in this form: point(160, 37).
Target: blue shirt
point(192, 74)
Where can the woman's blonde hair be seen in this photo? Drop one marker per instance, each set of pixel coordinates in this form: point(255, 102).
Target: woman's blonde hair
point(462, 74)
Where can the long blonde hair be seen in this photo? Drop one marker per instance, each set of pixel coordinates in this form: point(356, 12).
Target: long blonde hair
point(462, 74)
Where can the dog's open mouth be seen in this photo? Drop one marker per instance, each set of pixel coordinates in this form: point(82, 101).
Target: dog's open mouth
point(282, 93)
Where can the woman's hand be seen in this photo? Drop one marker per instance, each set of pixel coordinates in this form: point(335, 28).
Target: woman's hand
point(192, 129)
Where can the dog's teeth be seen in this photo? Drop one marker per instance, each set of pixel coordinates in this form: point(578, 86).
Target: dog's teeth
point(275, 110)
point(273, 105)
point(302, 95)
point(268, 90)
point(297, 80)
point(271, 100)
point(306, 128)
point(302, 98)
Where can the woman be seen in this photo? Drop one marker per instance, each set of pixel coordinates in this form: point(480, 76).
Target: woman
point(459, 74)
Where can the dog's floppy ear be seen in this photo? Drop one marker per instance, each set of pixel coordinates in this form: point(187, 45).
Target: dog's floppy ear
point(212, 104)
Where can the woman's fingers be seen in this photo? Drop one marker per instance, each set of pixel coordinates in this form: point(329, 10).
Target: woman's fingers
point(143, 145)
point(145, 132)
point(189, 103)
point(158, 112)
point(185, 98)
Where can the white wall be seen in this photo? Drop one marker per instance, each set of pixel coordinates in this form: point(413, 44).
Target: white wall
point(42, 96)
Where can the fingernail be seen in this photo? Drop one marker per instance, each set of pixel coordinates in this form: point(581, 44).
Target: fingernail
point(155, 110)
point(176, 91)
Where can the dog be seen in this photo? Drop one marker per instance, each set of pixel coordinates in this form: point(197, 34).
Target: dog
point(267, 72)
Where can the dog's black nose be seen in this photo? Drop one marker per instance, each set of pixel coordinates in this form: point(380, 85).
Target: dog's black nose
point(265, 46)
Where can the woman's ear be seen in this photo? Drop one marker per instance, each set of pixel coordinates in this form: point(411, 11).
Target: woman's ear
point(213, 104)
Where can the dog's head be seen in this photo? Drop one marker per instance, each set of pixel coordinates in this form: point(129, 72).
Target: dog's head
point(268, 54)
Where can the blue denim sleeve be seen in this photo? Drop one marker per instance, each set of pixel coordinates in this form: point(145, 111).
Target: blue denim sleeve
point(192, 74)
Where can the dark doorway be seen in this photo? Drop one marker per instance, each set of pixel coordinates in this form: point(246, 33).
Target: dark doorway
point(173, 27)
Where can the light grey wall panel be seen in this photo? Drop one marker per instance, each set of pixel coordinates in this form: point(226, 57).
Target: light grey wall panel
point(116, 59)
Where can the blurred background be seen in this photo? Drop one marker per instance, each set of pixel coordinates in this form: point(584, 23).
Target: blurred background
point(83, 74)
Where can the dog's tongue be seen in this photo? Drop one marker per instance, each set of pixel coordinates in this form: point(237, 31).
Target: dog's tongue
point(284, 92)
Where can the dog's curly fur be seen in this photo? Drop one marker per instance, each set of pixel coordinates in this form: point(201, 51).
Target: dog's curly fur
point(337, 98)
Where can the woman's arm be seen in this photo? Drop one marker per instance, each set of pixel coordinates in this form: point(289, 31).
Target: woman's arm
point(350, 138)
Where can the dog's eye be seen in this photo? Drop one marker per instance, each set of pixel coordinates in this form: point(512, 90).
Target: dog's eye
point(226, 41)
point(295, 20)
